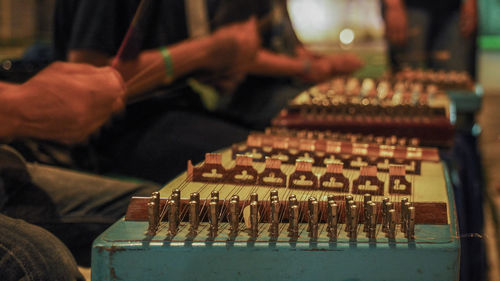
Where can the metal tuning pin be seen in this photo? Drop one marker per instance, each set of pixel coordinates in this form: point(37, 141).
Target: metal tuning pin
point(176, 198)
point(293, 230)
point(391, 231)
point(314, 219)
point(173, 218)
point(292, 201)
point(213, 218)
point(176, 195)
point(214, 197)
point(309, 212)
point(367, 212)
point(348, 221)
point(353, 218)
point(402, 215)
point(214, 193)
point(155, 197)
point(194, 217)
point(385, 222)
point(366, 198)
point(273, 193)
point(389, 206)
point(153, 213)
point(348, 198)
point(410, 231)
point(195, 196)
point(176, 191)
point(275, 211)
point(235, 198)
point(254, 219)
point(254, 197)
point(372, 229)
point(333, 213)
point(151, 219)
point(234, 217)
point(330, 198)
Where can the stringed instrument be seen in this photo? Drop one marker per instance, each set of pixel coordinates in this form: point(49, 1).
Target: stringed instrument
point(299, 205)
point(385, 108)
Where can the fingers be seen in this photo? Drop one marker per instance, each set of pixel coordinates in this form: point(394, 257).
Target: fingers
point(119, 102)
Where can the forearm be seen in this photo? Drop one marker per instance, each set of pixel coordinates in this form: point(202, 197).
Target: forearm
point(272, 64)
point(5, 86)
point(10, 99)
point(186, 57)
point(148, 70)
point(393, 3)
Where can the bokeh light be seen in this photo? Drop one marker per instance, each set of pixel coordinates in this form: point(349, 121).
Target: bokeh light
point(346, 36)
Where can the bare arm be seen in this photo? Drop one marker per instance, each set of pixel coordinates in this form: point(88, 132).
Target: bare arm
point(5, 85)
point(468, 18)
point(228, 49)
point(273, 64)
point(65, 102)
point(9, 119)
point(396, 22)
point(307, 66)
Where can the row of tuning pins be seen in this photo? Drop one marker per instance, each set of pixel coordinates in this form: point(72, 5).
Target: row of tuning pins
point(406, 219)
point(389, 220)
point(173, 212)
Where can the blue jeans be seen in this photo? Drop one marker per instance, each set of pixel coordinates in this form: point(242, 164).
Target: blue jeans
point(76, 207)
point(28, 252)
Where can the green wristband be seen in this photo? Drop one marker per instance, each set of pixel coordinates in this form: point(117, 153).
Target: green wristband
point(169, 67)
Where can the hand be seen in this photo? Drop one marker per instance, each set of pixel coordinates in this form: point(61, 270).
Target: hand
point(67, 102)
point(468, 18)
point(304, 53)
point(316, 70)
point(396, 24)
point(234, 46)
point(346, 63)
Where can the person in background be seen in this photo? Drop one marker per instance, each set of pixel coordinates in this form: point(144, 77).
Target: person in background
point(283, 68)
point(64, 103)
point(431, 34)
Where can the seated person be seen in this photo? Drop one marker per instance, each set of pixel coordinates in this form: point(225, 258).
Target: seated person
point(283, 68)
point(64, 103)
point(155, 137)
point(208, 58)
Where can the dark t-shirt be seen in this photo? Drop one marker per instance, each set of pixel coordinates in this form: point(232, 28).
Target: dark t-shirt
point(433, 5)
point(100, 25)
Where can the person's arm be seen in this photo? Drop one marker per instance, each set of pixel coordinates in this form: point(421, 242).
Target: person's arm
point(311, 67)
point(65, 102)
point(396, 21)
point(6, 85)
point(229, 49)
point(10, 121)
point(272, 64)
point(468, 18)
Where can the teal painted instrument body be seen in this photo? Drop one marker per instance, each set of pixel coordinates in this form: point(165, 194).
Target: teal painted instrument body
point(125, 252)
